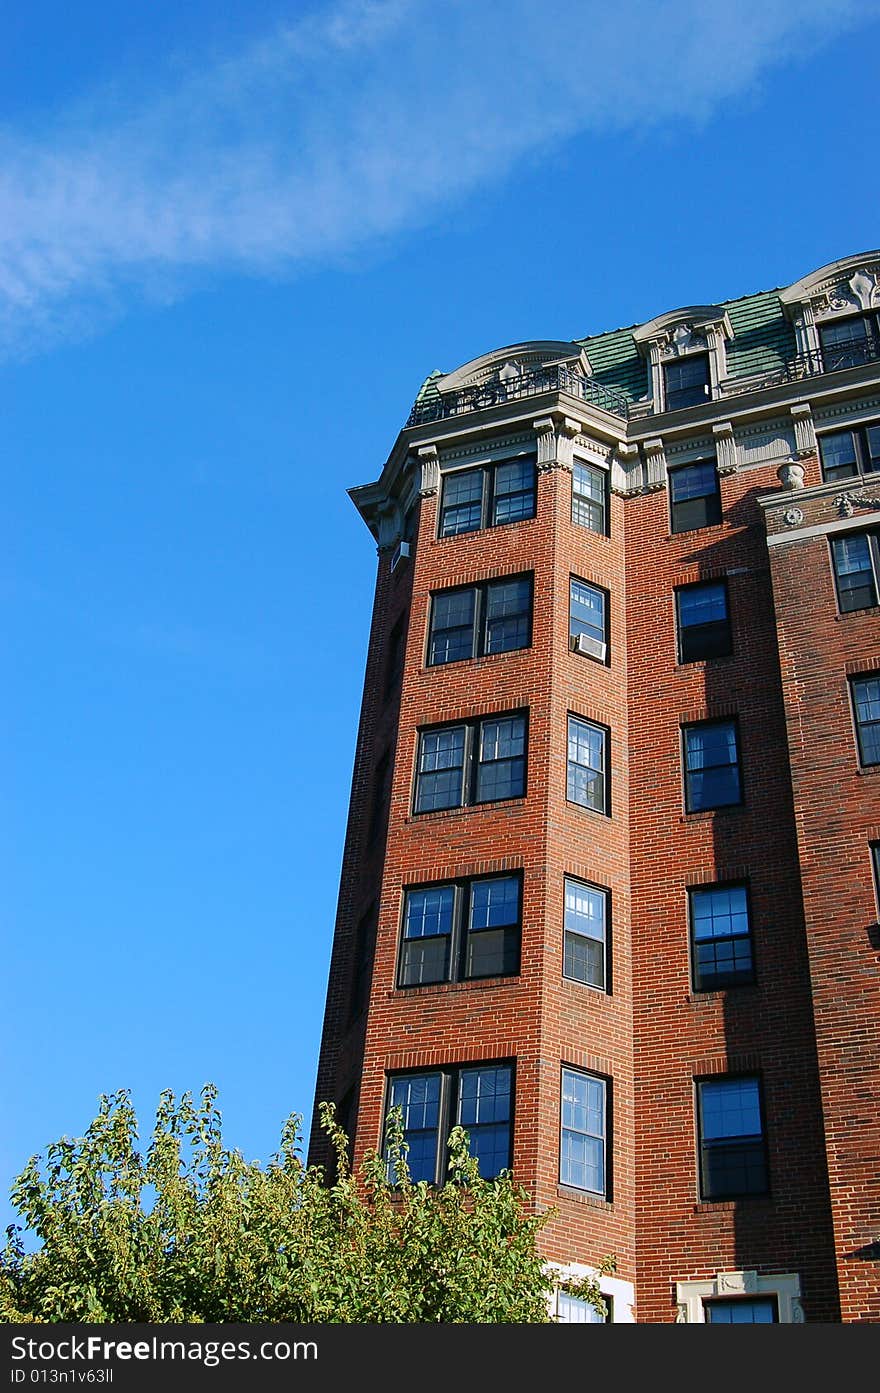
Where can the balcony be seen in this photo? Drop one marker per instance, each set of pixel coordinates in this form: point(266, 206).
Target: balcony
point(855, 352)
point(556, 378)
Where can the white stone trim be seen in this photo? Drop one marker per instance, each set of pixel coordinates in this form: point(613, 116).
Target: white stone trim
point(623, 1294)
point(821, 529)
point(786, 1287)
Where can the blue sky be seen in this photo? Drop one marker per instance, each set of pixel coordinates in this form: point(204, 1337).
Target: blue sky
point(233, 241)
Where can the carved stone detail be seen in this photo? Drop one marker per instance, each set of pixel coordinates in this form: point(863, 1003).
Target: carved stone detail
point(804, 431)
point(847, 502)
point(725, 448)
point(389, 526)
point(655, 462)
point(429, 461)
point(681, 1313)
point(797, 1311)
point(742, 1283)
point(791, 475)
point(792, 516)
point(555, 436)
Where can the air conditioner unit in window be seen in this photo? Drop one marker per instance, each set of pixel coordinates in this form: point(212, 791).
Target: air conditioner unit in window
point(401, 552)
point(585, 643)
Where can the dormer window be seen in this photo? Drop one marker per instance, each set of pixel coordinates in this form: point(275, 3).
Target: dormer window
point(686, 351)
point(687, 381)
point(847, 343)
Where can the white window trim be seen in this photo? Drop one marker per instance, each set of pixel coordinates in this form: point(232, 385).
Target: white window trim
point(786, 1287)
point(621, 1293)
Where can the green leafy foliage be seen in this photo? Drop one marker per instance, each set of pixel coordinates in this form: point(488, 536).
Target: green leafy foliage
point(191, 1232)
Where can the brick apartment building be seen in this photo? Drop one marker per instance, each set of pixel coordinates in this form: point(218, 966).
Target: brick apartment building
point(609, 888)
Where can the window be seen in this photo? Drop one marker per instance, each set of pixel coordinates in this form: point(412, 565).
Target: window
point(488, 497)
point(703, 621)
point(866, 704)
point(461, 930)
point(573, 1310)
point(847, 343)
point(584, 933)
point(494, 617)
point(742, 1310)
point(687, 381)
point(582, 1147)
point(711, 765)
point(478, 1099)
point(587, 619)
point(856, 562)
point(479, 761)
point(848, 452)
point(721, 940)
point(694, 496)
point(731, 1131)
point(586, 778)
point(875, 858)
point(589, 497)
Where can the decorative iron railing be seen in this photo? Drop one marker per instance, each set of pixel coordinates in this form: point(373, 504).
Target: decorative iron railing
point(556, 378)
point(559, 378)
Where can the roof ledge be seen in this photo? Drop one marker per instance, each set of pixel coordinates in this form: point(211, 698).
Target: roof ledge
point(853, 282)
point(518, 358)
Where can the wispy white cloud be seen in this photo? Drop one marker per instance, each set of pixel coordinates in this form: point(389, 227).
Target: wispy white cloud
point(363, 119)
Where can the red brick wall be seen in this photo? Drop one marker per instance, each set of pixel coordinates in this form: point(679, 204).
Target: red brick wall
point(837, 810)
point(765, 1028)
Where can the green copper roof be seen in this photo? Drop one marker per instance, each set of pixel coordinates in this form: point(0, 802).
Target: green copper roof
point(763, 340)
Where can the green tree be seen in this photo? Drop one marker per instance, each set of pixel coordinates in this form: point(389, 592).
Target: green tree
point(192, 1232)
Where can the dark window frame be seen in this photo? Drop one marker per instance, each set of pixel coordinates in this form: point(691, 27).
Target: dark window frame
point(684, 514)
point(489, 495)
point(689, 805)
point(605, 731)
point(461, 932)
point(576, 627)
point(857, 680)
point(835, 355)
point(605, 985)
point(845, 592)
point(605, 1192)
point(480, 633)
point(471, 764)
point(722, 981)
point(874, 848)
point(863, 461)
point(730, 1302)
point(695, 393)
point(448, 1108)
point(719, 642)
point(584, 504)
point(753, 1142)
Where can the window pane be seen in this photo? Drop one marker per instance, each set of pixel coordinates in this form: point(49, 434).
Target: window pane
point(586, 764)
point(584, 934)
point(452, 626)
point(732, 1148)
point(571, 1310)
point(462, 502)
point(508, 609)
point(872, 442)
point(839, 458)
point(757, 1310)
point(721, 937)
point(694, 496)
point(418, 1096)
point(582, 1149)
point(586, 610)
point(501, 770)
point(494, 902)
point(730, 1108)
point(588, 497)
point(514, 491)
point(484, 1099)
point(711, 766)
point(441, 762)
point(424, 961)
point(845, 344)
point(703, 625)
point(866, 697)
point(854, 572)
point(429, 912)
point(687, 381)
